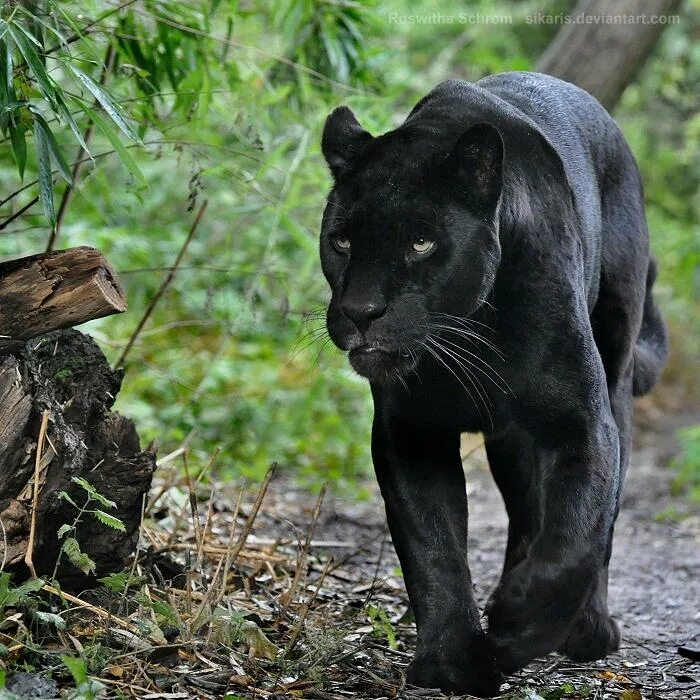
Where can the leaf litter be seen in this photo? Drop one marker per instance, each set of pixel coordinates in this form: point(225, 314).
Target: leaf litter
point(273, 593)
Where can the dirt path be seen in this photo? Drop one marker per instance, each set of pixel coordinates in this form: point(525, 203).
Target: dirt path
point(654, 590)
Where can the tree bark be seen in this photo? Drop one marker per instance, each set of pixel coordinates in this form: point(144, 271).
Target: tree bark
point(603, 51)
point(43, 293)
point(66, 374)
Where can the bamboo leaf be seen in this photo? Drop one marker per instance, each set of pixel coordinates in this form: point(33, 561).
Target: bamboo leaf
point(53, 147)
point(43, 159)
point(108, 104)
point(34, 62)
point(68, 117)
point(19, 147)
point(3, 28)
point(28, 34)
point(119, 147)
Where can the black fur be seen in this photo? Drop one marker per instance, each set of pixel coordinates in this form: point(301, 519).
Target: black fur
point(529, 318)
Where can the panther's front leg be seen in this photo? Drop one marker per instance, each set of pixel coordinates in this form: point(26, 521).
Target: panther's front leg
point(536, 601)
point(420, 475)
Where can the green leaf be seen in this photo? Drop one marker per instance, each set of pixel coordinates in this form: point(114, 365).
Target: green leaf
point(119, 147)
point(84, 484)
point(77, 557)
point(34, 62)
point(63, 531)
point(37, 18)
point(105, 99)
point(118, 583)
point(19, 148)
point(51, 618)
point(109, 520)
point(77, 668)
point(68, 118)
point(52, 144)
point(10, 597)
point(43, 159)
point(65, 497)
point(93, 492)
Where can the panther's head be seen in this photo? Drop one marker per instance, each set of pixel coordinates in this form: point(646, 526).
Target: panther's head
point(409, 238)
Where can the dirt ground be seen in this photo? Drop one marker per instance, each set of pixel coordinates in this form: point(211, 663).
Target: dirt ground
point(276, 593)
point(654, 588)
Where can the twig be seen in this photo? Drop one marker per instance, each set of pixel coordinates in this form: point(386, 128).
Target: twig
point(29, 556)
point(235, 551)
point(125, 624)
point(305, 610)
point(18, 213)
point(301, 563)
point(203, 536)
point(165, 284)
point(229, 550)
point(213, 550)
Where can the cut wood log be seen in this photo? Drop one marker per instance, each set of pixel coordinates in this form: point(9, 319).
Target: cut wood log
point(46, 292)
point(66, 374)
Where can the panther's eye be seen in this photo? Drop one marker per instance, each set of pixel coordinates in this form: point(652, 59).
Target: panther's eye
point(342, 245)
point(422, 245)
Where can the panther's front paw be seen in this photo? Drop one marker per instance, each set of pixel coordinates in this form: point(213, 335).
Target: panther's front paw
point(466, 675)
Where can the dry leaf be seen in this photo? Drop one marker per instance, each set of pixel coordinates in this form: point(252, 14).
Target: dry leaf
point(631, 694)
point(258, 644)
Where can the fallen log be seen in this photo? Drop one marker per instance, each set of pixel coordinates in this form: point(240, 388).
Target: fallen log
point(60, 289)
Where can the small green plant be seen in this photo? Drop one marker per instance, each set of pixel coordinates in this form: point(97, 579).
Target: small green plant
point(687, 464)
point(86, 688)
point(381, 624)
point(67, 532)
point(12, 597)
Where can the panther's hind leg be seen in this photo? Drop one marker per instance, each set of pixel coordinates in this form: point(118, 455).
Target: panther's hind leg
point(594, 634)
point(616, 322)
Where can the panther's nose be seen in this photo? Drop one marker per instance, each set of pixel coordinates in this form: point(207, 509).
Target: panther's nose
point(363, 313)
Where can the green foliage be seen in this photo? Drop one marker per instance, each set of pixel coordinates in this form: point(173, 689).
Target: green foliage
point(120, 582)
point(86, 688)
point(11, 597)
point(176, 102)
point(381, 624)
point(28, 88)
point(660, 115)
point(70, 546)
point(687, 464)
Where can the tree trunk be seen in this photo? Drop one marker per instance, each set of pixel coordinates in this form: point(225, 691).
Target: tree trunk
point(67, 375)
point(43, 293)
point(603, 51)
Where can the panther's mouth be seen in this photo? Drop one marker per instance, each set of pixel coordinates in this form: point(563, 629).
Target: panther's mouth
point(377, 363)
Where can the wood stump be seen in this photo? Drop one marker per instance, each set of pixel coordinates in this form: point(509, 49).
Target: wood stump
point(65, 374)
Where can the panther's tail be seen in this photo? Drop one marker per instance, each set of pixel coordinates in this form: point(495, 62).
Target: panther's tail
point(651, 348)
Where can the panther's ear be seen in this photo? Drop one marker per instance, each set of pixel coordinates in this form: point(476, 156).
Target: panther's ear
point(477, 161)
point(343, 138)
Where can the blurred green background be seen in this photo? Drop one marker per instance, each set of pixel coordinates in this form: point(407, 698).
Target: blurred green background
point(226, 101)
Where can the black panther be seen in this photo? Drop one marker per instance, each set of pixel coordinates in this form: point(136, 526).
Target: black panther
point(490, 271)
